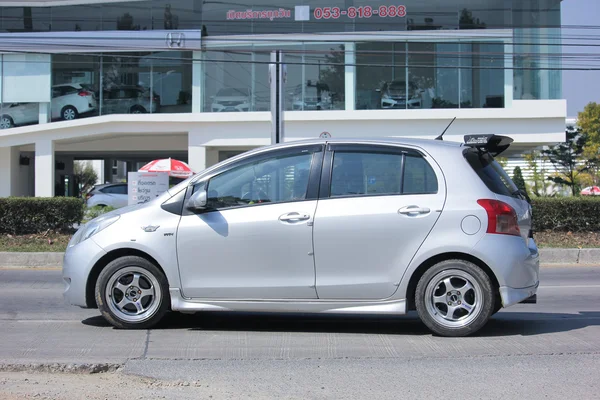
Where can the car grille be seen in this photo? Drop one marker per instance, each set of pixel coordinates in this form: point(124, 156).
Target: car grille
point(231, 103)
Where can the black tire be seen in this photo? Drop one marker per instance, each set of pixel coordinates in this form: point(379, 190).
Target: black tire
point(69, 113)
point(481, 295)
point(138, 110)
point(8, 122)
point(147, 269)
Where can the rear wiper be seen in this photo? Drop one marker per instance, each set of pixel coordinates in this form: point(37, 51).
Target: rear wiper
point(522, 194)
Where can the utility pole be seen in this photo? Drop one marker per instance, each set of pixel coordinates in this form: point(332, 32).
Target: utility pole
point(277, 79)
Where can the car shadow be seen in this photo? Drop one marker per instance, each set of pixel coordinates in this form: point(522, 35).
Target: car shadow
point(501, 324)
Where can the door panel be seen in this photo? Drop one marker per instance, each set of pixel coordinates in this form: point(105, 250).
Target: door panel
point(255, 241)
point(363, 245)
point(380, 210)
point(248, 253)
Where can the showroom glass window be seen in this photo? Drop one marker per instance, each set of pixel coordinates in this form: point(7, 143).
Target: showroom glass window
point(424, 75)
point(236, 79)
point(315, 77)
point(127, 83)
point(274, 180)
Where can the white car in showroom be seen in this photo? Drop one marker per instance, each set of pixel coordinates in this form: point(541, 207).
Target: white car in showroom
point(231, 99)
point(69, 101)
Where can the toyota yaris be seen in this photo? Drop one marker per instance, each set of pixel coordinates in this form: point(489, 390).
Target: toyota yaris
point(324, 226)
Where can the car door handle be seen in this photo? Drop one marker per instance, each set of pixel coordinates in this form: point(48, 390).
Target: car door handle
point(294, 216)
point(412, 210)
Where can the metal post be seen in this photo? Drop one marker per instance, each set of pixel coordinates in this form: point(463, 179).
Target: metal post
point(277, 78)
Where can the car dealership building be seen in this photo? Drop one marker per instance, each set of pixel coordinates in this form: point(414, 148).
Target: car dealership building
point(134, 81)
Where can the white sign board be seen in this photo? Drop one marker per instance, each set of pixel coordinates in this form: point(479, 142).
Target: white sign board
point(145, 186)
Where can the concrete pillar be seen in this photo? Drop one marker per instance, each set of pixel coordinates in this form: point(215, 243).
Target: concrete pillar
point(9, 171)
point(508, 75)
point(108, 175)
point(350, 75)
point(196, 152)
point(44, 168)
point(197, 82)
point(45, 113)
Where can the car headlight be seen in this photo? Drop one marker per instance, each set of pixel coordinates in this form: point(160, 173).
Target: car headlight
point(92, 227)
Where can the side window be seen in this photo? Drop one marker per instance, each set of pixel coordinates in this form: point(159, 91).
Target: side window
point(56, 92)
point(419, 177)
point(108, 190)
point(274, 180)
point(121, 189)
point(356, 173)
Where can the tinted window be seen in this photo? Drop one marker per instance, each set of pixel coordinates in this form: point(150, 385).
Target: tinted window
point(117, 189)
point(491, 173)
point(273, 180)
point(121, 189)
point(366, 173)
point(419, 177)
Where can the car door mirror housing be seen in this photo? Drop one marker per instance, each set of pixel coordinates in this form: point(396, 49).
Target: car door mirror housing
point(198, 201)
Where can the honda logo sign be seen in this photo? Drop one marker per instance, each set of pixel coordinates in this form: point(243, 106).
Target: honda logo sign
point(175, 40)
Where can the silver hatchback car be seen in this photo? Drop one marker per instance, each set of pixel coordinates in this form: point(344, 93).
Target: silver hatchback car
point(323, 226)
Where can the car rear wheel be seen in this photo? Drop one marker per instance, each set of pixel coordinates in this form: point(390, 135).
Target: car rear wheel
point(132, 293)
point(69, 113)
point(454, 298)
point(6, 122)
point(138, 110)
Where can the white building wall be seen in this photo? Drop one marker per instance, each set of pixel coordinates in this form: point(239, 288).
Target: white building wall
point(530, 123)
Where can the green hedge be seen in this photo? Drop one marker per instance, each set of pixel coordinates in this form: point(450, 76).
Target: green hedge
point(568, 214)
point(30, 215)
point(27, 215)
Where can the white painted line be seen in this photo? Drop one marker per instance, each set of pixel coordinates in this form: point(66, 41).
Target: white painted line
point(570, 287)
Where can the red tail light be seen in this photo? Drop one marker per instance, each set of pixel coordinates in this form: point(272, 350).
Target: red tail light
point(502, 218)
point(84, 93)
point(88, 196)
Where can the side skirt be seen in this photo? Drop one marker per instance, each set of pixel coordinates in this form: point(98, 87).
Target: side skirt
point(384, 307)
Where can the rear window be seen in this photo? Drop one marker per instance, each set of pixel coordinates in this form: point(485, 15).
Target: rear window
point(491, 173)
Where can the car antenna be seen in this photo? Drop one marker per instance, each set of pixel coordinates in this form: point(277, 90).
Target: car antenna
point(441, 137)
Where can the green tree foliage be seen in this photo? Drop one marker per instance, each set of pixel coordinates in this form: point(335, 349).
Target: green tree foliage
point(588, 122)
point(518, 179)
point(567, 158)
point(539, 184)
point(85, 174)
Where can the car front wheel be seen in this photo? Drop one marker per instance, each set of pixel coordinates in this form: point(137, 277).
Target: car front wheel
point(6, 122)
point(455, 298)
point(132, 293)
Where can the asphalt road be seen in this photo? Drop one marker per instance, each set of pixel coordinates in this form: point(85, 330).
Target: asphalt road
point(548, 350)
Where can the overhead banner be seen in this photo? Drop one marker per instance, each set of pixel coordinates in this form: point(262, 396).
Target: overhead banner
point(145, 186)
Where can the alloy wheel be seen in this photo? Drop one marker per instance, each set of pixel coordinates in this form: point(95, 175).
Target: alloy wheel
point(453, 298)
point(133, 294)
point(5, 123)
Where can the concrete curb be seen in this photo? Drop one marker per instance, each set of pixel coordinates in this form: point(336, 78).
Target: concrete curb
point(548, 256)
point(31, 260)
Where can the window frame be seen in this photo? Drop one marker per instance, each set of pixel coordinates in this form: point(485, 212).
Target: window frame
point(327, 171)
point(314, 175)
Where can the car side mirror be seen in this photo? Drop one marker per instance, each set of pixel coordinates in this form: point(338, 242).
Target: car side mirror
point(198, 201)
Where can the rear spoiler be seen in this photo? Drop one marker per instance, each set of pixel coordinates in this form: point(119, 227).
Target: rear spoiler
point(494, 144)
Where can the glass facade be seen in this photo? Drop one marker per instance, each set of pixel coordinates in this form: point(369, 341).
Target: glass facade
point(423, 75)
point(125, 83)
point(404, 68)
